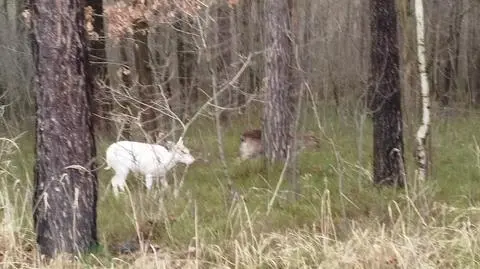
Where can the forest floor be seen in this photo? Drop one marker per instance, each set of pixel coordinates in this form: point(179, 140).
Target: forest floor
point(338, 220)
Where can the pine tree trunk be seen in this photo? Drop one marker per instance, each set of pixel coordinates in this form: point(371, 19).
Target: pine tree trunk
point(65, 195)
point(125, 75)
point(247, 35)
point(225, 56)
point(98, 67)
point(385, 91)
point(280, 104)
point(145, 79)
point(451, 69)
point(186, 57)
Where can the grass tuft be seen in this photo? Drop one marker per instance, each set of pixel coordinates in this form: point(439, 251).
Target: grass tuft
point(339, 219)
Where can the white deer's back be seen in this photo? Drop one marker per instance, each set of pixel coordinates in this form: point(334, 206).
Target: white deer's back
point(139, 157)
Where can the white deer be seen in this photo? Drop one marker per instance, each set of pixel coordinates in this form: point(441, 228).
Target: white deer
point(151, 160)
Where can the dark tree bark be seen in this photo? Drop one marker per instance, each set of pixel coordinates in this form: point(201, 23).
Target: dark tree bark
point(186, 56)
point(246, 33)
point(226, 49)
point(224, 38)
point(386, 96)
point(65, 196)
point(279, 108)
point(476, 81)
point(145, 79)
point(450, 72)
point(125, 74)
point(250, 38)
point(98, 68)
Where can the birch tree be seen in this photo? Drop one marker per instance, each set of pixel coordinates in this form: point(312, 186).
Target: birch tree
point(423, 130)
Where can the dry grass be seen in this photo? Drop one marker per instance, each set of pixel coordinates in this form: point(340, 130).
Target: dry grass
point(401, 244)
point(339, 221)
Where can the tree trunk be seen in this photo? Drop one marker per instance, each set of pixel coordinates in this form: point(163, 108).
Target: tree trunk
point(224, 56)
point(385, 90)
point(423, 130)
point(65, 195)
point(476, 81)
point(247, 23)
point(125, 74)
point(98, 67)
point(186, 56)
point(453, 52)
point(279, 111)
point(408, 66)
point(436, 66)
point(145, 79)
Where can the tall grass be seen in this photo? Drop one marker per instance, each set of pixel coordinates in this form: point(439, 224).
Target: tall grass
point(340, 220)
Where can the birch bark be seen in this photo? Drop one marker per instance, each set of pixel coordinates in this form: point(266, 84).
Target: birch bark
point(423, 130)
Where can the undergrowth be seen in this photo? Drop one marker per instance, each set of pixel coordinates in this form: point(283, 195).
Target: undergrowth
point(339, 219)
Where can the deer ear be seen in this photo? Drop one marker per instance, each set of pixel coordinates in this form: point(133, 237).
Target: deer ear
point(180, 141)
point(159, 137)
point(169, 145)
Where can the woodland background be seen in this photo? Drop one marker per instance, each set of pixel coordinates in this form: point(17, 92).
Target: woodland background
point(340, 220)
point(332, 40)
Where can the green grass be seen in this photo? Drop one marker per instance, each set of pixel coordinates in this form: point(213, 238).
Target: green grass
point(339, 219)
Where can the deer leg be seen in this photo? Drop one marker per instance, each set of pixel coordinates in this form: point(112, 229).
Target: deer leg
point(118, 183)
point(164, 181)
point(149, 181)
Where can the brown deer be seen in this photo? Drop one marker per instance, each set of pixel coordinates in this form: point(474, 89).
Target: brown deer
point(251, 145)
